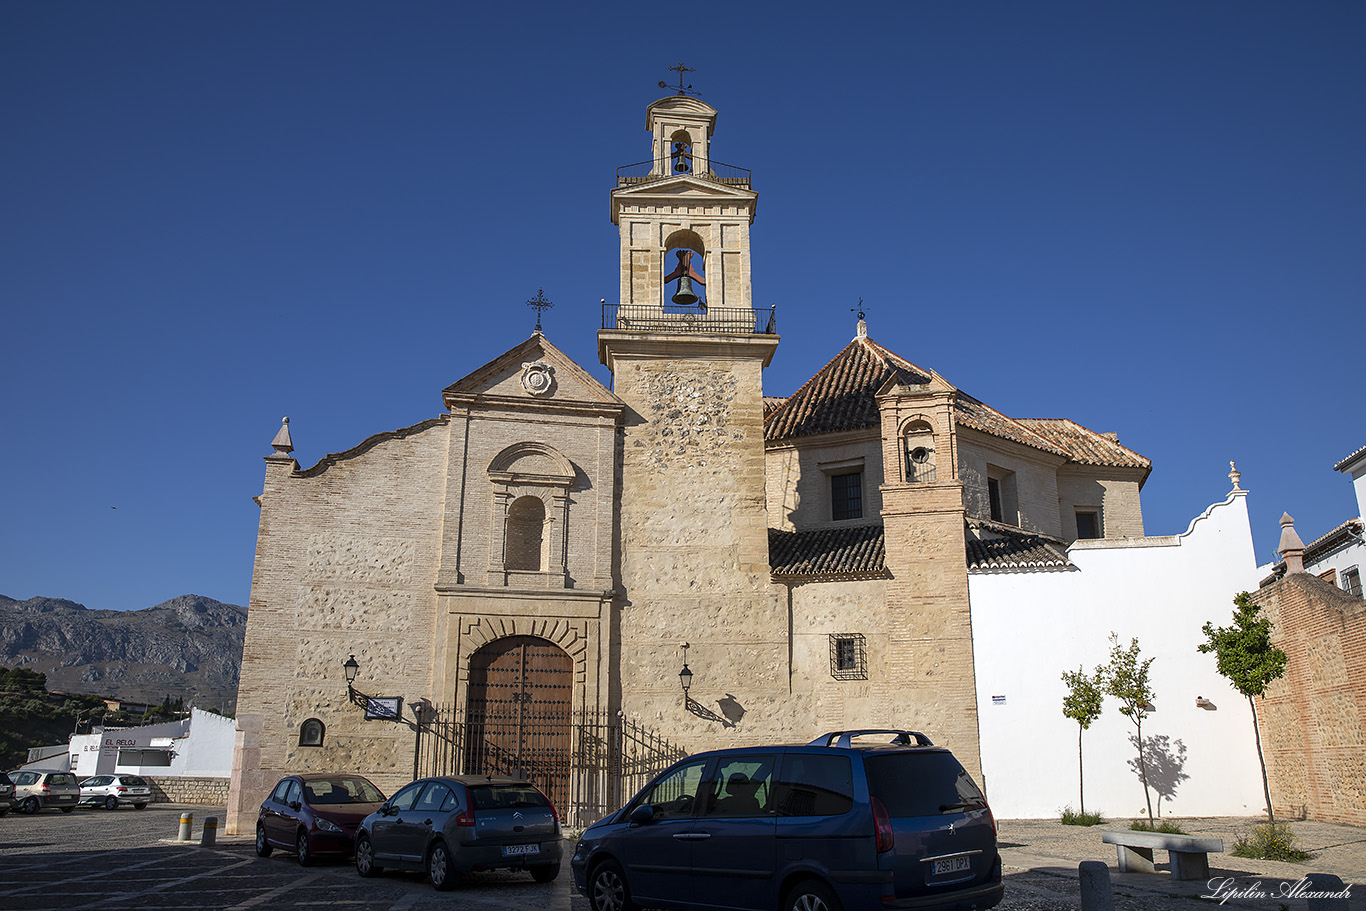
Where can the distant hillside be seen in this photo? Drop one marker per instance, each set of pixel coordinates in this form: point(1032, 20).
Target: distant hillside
point(189, 646)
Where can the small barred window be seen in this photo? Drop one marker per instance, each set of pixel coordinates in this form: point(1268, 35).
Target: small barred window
point(848, 656)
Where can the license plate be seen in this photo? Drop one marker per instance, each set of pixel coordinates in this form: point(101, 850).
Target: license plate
point(952, 865)
point(519, 850)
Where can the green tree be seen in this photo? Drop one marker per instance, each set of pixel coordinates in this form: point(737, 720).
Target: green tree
point(1126, 678)
point(1082, 704)
point(1248, 660)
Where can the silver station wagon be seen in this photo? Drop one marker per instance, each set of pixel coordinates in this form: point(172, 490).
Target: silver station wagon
point(448, 826)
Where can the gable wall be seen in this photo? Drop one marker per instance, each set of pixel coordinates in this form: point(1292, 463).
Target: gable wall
point(1110, 489)
point(345, 563)
point(798, 491)
point(1036, 480)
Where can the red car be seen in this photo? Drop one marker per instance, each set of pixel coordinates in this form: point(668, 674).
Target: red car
point(315, 815)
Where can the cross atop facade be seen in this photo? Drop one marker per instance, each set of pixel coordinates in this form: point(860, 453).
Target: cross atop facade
point(540, 304)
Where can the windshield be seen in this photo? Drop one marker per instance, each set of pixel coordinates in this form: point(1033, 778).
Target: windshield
point(341, 790)
point(922, 784)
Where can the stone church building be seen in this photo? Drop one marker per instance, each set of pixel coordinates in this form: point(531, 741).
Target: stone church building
point(516, 578)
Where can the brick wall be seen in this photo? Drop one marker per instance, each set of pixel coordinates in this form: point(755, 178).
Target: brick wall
point(205, 792)
point(1313, 720)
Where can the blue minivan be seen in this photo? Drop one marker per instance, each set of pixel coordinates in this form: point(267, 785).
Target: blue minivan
point(852, 820)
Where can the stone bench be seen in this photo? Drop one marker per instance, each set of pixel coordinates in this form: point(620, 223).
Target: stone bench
point(1189, 854)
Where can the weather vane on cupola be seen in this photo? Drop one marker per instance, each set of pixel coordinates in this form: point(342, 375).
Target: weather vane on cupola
point(682, 89)
point(540, 304)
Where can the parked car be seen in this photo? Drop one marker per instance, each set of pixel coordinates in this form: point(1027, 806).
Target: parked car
point(109, 791)
point(855, 819)
point(6, 794)
point(447, 826)
point(315, 815)
point(36, 789)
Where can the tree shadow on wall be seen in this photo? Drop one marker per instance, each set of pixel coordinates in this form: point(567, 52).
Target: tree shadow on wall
point(1165, 762)
point(731, 711)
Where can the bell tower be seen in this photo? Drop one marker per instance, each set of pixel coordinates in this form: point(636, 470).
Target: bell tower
point(687, 350)
point(683, 210)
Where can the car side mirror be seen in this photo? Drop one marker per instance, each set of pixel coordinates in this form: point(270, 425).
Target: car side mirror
point(295, 805)
point(385, 809)
point(642, 815)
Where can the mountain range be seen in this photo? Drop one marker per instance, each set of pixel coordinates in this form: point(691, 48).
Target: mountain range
point(190, 646)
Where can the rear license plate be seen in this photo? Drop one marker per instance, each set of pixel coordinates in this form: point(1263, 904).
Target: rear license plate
point(952, 865)
point(519, 850)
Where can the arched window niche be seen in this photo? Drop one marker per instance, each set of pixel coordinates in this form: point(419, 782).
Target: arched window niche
point(680, 152)
point(526, 534)
point(685, 272)
point(311, 733)
point(527, 547)
point(919, 454)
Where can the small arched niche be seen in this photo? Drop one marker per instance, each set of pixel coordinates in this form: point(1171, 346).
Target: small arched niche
point(311, 733)
point(919, 454)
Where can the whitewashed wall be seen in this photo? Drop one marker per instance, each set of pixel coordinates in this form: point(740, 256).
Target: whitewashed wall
point(202, 744)
point(1030, 627)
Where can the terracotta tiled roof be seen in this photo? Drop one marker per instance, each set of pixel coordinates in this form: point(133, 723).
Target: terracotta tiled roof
point(1351, 458)
point(1084, 445)
point(845, 551)
point(841, 396)
point(773, 402)
point(969, 412)
point(1015, 551)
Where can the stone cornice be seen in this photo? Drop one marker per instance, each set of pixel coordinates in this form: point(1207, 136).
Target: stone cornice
point(691, 345)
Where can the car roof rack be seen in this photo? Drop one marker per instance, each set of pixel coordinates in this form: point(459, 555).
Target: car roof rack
point(845, 738)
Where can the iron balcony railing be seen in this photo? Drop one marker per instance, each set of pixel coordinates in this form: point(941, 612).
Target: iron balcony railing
point(717, 172)
point(698, 318)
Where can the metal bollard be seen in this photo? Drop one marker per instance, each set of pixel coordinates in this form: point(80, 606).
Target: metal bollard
point(1337, 899)
point(206, 840)
point(1096, 894)
point(186, 824)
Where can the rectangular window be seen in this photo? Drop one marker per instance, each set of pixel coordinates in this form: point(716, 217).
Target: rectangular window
point(994, 495)
point(846, 496)
point(1351, 581)
point(813, 785)
point(1088, 523)
point(848, 656)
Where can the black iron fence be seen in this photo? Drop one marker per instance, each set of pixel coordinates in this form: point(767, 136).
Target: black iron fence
point(646, 171)
point(589, 764)
point(697, 318)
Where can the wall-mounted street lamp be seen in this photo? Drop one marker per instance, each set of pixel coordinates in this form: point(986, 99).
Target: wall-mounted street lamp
point(351, 668)
point(685, 675)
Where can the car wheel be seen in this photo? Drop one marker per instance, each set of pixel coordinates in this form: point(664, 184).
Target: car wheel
point(811, 895)
point(31, 805)
point(68, 809)
point(111, 802)
point(545, 873)
point(607, 889)
point(439, 871)
point(365, 858)
point(301, 847)
point(263, 848)
point(3, 812)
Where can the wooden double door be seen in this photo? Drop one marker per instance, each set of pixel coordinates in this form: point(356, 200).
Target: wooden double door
point(519, 713)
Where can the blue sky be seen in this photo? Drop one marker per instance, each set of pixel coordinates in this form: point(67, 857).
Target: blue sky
point(1147, 217)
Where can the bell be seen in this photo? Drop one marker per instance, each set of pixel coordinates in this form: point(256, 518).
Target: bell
point(684, 296)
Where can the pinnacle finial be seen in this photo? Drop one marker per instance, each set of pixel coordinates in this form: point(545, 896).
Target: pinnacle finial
point(1234, 475)
point(862, 330)
point(282, 442)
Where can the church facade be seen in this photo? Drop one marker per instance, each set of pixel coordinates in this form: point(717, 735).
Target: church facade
point(494, 588)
